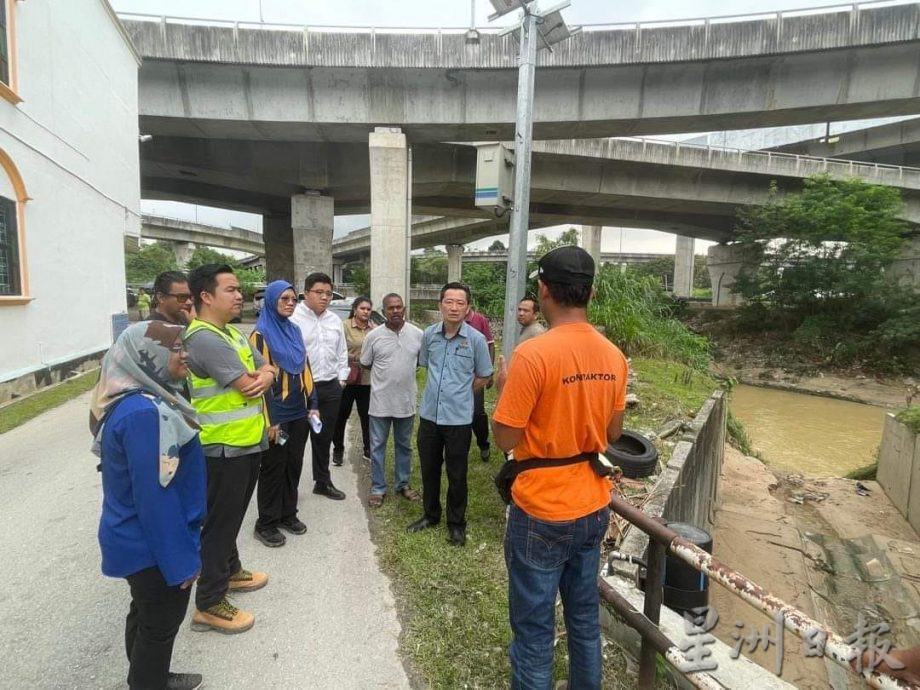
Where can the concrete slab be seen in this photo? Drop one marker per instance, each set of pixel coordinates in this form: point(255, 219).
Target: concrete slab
point(327, 619)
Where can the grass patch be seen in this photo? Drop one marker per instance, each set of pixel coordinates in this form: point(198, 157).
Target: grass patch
point(910, 418)
point(454, 601)
point(18, 413)
point(868, 472)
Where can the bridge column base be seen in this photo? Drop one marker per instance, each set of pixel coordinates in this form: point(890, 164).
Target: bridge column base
point(906, 268)
point(279, 249)
point(725, 263)
point(389, 168)
point(312, 220)
point(454, 263)
point(683, 267)
point(183, 252)
point(591, 241)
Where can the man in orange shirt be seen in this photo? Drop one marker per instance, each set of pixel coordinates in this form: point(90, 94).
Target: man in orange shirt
point(563, 396)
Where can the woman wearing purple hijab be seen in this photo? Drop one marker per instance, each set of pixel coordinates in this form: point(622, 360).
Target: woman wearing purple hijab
point(289, 404)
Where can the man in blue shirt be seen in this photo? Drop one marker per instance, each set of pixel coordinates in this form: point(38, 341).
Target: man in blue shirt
point(458, 363)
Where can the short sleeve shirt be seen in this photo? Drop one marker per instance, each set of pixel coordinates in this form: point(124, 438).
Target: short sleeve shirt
point(452, 365)
point(210, 356)
point(393, 359)
point(481, 324)
point(562, 390)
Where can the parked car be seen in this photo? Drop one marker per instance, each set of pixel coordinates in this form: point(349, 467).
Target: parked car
point(258, 301)
point(342, 308)
point(131, 296)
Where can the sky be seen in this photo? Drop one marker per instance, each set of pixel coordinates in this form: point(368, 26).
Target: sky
point(440, 13)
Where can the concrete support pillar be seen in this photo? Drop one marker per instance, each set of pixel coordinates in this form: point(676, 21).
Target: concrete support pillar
point(683, 267)
point(454, 263)
point(389, 212)
point(279, 249)
point(337, 273)
point(312, 218)
point(726, 262)
point(183, 252)
point(906, 268)
point(591, 241)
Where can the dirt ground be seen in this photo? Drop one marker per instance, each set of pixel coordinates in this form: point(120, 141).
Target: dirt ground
point(823, 547)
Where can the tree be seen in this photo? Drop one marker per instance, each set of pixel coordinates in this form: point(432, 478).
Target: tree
point(497, 246)
point(545, 244)
point(430, 267)
point(148, 262)
point(206, 255)
point(358, 275)
point(818, 260)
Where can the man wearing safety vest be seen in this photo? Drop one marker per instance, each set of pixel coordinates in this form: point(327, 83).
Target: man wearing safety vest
point(226, 380)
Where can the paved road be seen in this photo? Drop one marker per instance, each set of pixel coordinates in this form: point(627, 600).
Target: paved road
point(326, 619)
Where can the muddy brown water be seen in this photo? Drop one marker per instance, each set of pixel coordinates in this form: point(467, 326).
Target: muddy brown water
point(809, 434)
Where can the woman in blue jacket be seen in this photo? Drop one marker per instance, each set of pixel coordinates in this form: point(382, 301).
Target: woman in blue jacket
point(154, 488)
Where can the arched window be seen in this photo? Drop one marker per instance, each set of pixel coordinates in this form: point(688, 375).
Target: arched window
point(9, 82)
point(14, 284)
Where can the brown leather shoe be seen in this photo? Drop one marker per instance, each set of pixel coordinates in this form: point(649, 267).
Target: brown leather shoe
point(223, 617)
point(248, 581)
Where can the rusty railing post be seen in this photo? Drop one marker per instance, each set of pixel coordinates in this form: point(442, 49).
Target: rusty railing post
point(652, 610)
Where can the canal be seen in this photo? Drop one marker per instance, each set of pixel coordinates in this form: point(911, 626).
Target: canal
point(808, 434)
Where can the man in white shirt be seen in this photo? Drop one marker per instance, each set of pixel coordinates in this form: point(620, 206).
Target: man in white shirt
point(391, 353)
point(324, 339)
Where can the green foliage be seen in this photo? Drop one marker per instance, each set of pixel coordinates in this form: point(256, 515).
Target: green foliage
point(544, 244)
point(910, 418)
point(663, 269)
point(18, 413)
point(868, 472)
point(497, 246)
point(430, 267)
point(250, 280)
point(819, 272)
point(487, 284)
point(358, 275)
point(638, 316)
point(206, 255)
point(149, 261)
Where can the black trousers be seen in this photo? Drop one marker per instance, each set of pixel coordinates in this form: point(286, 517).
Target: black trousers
point(450, 445)
point(157, 610)
point(329, 394)
point(231, 482)
point(279, 475)
point(360, 395)
point(480, 419)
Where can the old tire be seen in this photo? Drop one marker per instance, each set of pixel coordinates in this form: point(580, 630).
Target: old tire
point(634, 454)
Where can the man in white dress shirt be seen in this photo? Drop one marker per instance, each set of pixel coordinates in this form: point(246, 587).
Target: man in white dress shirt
point(324, 339)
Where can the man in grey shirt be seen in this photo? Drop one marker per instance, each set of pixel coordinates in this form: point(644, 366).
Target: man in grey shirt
point(527, 312)
point(391, 353)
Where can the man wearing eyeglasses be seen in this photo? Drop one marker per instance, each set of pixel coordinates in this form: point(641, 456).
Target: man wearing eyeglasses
point(324, 339)
point(172, 299)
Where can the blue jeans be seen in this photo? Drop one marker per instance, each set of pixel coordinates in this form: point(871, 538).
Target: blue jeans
point(543, 558)
point(402, 439)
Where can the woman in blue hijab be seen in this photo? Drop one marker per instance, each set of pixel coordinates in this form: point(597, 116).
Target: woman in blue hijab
point(291, 405)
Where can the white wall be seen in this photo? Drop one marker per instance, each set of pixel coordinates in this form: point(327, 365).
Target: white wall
point(74, 140)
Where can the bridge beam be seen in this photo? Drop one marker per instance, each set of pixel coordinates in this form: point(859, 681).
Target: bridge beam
point(389, 167)
point(312, 219)
point(683, 267)
point(454, 263)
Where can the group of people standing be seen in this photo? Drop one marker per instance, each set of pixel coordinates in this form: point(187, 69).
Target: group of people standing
point(189, 416)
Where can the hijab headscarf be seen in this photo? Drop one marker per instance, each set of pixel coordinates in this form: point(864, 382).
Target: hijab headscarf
point(285, 343)
point(137, 364)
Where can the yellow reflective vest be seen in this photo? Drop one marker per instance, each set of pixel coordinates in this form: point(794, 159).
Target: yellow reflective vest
point(226, 416)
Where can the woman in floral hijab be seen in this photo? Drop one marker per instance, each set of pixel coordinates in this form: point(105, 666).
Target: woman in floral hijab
point(153, 485)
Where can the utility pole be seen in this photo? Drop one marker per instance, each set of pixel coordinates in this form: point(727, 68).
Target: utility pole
point(546, 28)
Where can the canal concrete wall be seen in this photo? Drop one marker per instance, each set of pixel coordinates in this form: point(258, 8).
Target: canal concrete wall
point(687, 491)
point(899, 469)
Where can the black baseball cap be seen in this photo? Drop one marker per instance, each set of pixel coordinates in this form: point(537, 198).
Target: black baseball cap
point(569, 265)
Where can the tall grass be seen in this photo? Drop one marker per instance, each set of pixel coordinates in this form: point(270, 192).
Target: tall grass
point(638, 316)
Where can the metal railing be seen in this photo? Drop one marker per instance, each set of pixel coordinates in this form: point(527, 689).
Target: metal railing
point(801, 164)
point(856, 8)
point(663, 541)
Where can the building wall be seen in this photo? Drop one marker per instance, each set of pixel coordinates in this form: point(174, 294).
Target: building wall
point(74, 141)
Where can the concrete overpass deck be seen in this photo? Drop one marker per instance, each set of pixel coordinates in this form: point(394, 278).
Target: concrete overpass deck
point(175, 230)
point(298, 84)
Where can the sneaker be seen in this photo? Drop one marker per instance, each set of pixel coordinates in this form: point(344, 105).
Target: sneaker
point(223, 617)
point(184, 681)
point(293, 525)
point(270, 536)
point(247, 581)
point(338, 457)
point(485, 453)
